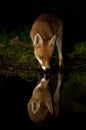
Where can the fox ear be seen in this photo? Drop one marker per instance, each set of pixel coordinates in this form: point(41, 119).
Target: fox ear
point(38, 40)
point(52, 41)
point(35, 106)
point(49, 106)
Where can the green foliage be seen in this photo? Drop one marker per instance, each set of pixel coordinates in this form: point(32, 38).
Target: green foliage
point(21, 32)
point(24, 34)
point(3, 37)
point(74, 91)
point(29, 75)
point(77, 77)
point(22, 54)
point(79, 49)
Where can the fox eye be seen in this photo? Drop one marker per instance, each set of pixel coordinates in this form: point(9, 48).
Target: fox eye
point(40, 89)
point(41, 57)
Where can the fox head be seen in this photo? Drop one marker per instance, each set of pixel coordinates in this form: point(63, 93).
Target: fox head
point(43, 50)
point(40, 103)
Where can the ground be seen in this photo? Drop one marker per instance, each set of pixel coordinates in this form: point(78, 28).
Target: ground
point(17, 58)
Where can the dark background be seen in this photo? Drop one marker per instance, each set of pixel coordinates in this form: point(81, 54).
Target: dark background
point(14, 14)
point(25, 11)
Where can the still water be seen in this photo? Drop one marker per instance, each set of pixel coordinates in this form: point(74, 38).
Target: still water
point(43, 100)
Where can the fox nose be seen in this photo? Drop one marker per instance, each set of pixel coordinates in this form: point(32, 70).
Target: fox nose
point(47, 70)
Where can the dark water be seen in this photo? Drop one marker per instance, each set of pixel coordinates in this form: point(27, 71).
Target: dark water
point(15, 93)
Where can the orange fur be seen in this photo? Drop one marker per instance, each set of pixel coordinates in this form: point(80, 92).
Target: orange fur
point(47, 31)
point(43, 107)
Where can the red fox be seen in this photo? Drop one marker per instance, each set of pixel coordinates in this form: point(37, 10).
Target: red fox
point(45, 32)
point(42, 106)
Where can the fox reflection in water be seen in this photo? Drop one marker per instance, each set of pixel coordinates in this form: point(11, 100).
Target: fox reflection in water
point(43, 106)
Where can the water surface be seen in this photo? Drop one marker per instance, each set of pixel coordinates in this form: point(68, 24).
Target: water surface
point(15, 93)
